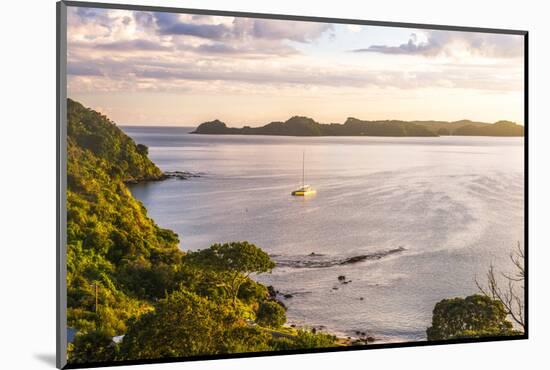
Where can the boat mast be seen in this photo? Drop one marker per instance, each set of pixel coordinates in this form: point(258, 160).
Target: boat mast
point(303, 168)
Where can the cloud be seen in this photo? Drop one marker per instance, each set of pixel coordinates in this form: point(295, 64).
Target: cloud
point(241, 28)
point(176, 52)
point(203, 35)
point(282, 30)
point(453, 43)
point(93, 15)
point(164, 75)
point(256, 50)
point(82, 69)
point(125, 45)
point(169, 24)
point(90, 13)
point(144, 19)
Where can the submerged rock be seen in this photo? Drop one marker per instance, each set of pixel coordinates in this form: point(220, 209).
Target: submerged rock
point(315, 260)
point(181, 175)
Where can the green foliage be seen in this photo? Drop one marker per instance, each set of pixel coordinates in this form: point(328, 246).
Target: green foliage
point(304, 340)
point(251, 292)
point(470, 317)
point(94, 346)
point(185, 324)
point(241, 257)
point(500, 128)
point(271, 314)
point(111, 243)
point(127, 276)
point(93, 131)
point(232, 263)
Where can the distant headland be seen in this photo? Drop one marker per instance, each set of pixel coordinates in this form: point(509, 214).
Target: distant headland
point(305, 126)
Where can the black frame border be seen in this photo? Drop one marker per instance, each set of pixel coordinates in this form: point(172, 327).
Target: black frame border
point(61, 96)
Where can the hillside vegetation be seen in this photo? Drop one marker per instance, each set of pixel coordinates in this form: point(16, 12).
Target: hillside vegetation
point(304, 126)
point(126, 276)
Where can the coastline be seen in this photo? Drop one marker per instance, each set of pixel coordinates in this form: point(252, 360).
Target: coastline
point(376, 182)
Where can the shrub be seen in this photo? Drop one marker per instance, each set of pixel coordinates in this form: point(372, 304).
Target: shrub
point(271, 314)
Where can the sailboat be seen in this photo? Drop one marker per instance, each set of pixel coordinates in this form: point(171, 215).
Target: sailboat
point(304, 190)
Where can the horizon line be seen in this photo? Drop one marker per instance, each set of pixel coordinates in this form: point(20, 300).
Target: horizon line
point(322, 123)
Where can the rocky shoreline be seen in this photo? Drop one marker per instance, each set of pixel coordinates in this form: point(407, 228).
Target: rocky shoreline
point(360, 338)
point(179, 175)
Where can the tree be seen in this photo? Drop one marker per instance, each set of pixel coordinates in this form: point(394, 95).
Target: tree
point(95, 346)
point(243, 339)
point(142, 149)
point(252, 292)
point(233, 263)
point(304, 340)
point(512, 293)
point(271, 314)
point(474, 316)
point(182, 324)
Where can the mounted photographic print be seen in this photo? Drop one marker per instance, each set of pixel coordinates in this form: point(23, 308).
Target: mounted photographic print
point(238, 184)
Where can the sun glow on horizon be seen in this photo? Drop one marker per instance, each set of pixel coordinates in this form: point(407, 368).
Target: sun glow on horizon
point(147, 68)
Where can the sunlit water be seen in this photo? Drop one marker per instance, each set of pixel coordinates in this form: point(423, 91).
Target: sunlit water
point(427, 215)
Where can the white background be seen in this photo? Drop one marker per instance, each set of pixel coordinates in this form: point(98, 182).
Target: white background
point(27, 196)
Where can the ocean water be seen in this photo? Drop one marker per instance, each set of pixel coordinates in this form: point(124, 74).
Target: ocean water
point(408, 221)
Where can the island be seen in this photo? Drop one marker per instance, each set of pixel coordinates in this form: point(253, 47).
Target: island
point(305, 126)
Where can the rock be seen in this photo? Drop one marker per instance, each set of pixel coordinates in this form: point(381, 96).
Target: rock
point(288, 296)
point(341, 278)
point(314, 331)
point(181, 175)
point(361, 298)
point(335, 288)
point(292, 325)
point(357, 332)
point(271, 291)
point(370, 339)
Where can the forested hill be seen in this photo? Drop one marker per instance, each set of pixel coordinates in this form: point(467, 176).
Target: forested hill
point(113, 247)
point(120, 155)
point(304, 126)
point(127, 277)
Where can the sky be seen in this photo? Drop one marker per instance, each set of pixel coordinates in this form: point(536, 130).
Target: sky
point(154, 68)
